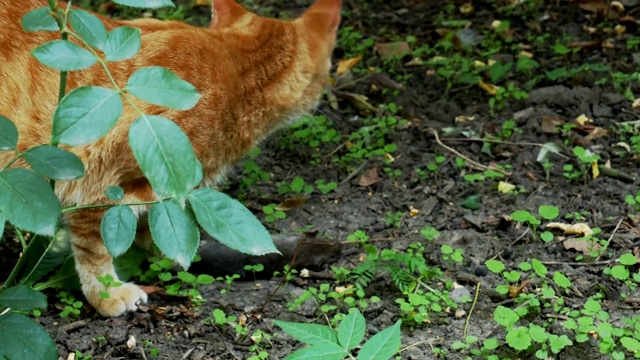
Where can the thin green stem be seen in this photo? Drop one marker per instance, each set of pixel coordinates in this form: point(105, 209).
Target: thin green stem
point(16, 158)
point(23, 259)
point(103, 63)
point(101, 206)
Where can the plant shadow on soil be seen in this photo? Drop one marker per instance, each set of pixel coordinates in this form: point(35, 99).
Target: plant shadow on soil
point(169, 328)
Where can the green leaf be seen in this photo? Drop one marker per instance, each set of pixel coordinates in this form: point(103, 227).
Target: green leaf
point(28, 201)
point(165, 155)
point(65, 277)
point(383, 345)
point(558, 343)
point(312, 334)
point(85, 115)
point(122, 43)
point(8, 134)
point(539, 267)
point(44, 254)
point(174, 231)
point(23, 339)
point(628, 259)
point(3, 219)
point(319, 352)
point(495, 266)
point(522, 216)
point(160, 86)
point(548, 212)
point(23, 298)
point(54, 163)
point(147, 4)
point(229, 222)
point(505, 316)
point(351, 329)
point(39, 20)
point(561, 280)
point(118, 229)
point(89, 27)
point(518, 338)
point(115, 193)
point(63, 56)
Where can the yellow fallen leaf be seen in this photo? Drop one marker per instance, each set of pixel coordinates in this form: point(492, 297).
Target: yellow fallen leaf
point(505, 188)
point(525, 54)
point(202, 3)
point(466, 9)
point(413, 211)
point(478, 63)
point(496, 24)
point(595, 171)
point(489, 88)
point(347, 64)
point(464, 118)
point(575, 229)
point(583, 120)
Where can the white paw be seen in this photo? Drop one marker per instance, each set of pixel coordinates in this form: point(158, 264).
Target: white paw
point(123, 298)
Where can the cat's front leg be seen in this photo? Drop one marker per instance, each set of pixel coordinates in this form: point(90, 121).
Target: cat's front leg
point(92, 260)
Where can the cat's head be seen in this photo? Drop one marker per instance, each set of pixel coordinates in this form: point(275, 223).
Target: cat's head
point(316, 28)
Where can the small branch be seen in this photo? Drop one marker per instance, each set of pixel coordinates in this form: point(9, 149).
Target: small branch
point(473, 306)
point(470, 162)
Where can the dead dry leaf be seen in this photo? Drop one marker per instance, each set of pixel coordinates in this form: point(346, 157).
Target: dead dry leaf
point(291, 203)
point(392, 50)
point(489, 88)
point(369, 178)
point(575, 229)
point(345, 65)
point(550, 123)
point(581, 245)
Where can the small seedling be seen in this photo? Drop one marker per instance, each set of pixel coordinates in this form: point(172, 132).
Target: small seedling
point(324, 340)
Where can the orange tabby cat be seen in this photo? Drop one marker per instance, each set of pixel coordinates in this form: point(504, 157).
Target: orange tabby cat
point(254, 74)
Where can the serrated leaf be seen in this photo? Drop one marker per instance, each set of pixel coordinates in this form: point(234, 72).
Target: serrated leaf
point(23, 298)
point(115, 193)
point(174, 231)
point(351, 330)
point(122, 43)
point(147, 4)
point(8, 134)
point(89, 27)
point(23, 339)
point(28, 201)
point(383, 345)
point(54, 163)
point(63, 56)
point(118, 229)
point(85, 115)
point(319, 352)
point(312, 334)
point(165, 155)
point(160, 86)
point(230, 222)
point(39, 20)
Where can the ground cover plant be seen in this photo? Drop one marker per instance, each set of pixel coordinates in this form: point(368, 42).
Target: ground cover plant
point(476, 162)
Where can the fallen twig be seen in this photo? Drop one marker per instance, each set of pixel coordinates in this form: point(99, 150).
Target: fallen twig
point(470, 162)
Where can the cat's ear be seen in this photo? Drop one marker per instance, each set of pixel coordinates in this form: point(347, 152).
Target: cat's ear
point(324, 14)
point(225, 12)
